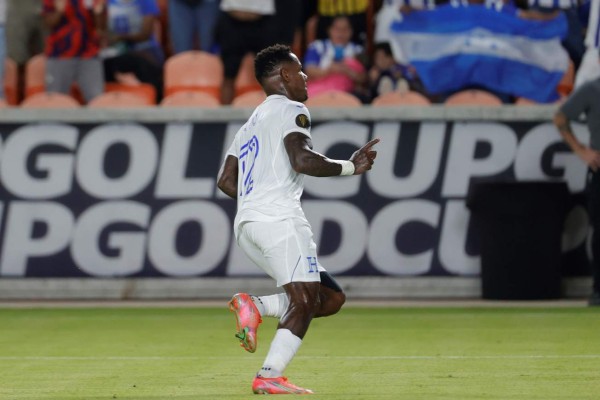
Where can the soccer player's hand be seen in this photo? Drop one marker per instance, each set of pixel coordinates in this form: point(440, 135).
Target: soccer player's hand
point(364, 157)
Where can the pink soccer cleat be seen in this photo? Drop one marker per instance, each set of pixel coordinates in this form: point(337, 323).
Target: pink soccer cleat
point(279, 385)
point(247, 319)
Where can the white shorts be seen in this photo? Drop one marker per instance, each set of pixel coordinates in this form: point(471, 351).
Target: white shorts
point(285, 250)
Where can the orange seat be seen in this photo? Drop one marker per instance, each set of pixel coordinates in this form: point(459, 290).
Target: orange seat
point(11, 82)
point(3, 103)
point(333, 98)
point(35, 78)
point(566, 84)
point(50, 100)
point(35, 75)
point(249, 99)
point(118, 100)
point(145, 90)
point(190, 99)
point(522, 101)
point(245, 81)
point(473, 97)
point(400, 98)
point(194, 70)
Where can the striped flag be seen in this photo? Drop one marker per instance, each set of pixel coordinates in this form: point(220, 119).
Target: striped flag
point(452, 48)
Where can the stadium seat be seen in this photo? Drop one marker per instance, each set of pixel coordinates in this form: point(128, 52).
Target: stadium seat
point(522, 101)
point(50, 100)
point(190, 99)
point(566, 84)
point(11, 82)
point(400, 98)
point(35, 78)
point(245, 81)
point(145, 90)
point(249, 99)
point(333, 98)
point(118, 100)
point(473, 97)
point(35, 75)
point(194, 70)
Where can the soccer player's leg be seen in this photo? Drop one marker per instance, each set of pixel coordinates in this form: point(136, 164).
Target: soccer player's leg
point(292, 255)
point(331, 296)
point(247, 320)
point(304, 302)
point(248, 316)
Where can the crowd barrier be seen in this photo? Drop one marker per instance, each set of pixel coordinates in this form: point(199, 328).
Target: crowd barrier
point(124, 203)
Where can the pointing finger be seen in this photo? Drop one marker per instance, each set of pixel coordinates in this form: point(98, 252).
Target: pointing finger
point(370, 144)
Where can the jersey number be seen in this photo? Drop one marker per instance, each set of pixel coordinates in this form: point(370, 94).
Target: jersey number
point(248, 154)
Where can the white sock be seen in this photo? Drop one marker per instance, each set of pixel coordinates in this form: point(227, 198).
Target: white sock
point(283, 348)
point(274, 305)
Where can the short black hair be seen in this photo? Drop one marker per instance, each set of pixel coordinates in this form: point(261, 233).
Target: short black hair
point(385, 47)
point(269, 58)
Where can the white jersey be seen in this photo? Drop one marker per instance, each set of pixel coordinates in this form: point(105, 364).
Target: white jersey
point(269, 189)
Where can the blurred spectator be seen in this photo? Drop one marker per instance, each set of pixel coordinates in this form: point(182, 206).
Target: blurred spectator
point(590, 68)
point(72, 46)
point(2, 45)
point(332, 64)
point(25, 29)
point(386, 75)
point(327, 10)
point(244, 26)
point(133, 54)
point(193, 22)
point(24, 33)
point(288, 20)
point(131, 29)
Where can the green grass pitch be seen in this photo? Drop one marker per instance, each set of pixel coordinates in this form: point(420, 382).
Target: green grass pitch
point(361, 353)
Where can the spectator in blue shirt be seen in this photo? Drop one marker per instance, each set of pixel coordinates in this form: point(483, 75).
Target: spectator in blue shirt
point(133, 54)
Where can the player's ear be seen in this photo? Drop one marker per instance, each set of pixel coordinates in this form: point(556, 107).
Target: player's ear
point(284, 73)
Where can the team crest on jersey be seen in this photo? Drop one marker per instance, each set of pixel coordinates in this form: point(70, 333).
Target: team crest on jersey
point(302, 121)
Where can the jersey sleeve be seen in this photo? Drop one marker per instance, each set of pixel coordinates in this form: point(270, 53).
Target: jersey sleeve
point(578, 102)
point(296, 118)
point(234, 147)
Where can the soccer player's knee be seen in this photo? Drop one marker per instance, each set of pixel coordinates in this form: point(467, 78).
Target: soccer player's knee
point(307, 305)
point(338, 300)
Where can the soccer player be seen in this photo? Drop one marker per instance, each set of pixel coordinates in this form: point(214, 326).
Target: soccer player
point(264, 170)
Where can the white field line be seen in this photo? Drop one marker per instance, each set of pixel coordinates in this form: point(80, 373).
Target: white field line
point(176, 358)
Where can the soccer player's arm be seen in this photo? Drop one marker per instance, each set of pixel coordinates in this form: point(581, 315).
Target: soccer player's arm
point(305, 160)
point(227, 180)
point(575, 105)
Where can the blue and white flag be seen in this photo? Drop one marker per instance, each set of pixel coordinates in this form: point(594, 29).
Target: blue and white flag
point(453, 48)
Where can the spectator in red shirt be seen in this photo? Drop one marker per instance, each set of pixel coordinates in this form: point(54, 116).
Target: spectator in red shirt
point(72, 46)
